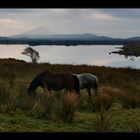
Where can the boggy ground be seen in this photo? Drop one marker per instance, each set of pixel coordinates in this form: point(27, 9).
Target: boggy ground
point(115, 109)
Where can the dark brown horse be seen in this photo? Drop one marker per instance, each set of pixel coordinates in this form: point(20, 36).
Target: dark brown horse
point(54, 81)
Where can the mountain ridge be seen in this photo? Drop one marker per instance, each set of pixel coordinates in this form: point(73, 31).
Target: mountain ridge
point(42, 32)
point(35, 31)
point(44, 36)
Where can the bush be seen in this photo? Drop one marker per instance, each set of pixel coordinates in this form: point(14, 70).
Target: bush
point(42, 105)
point(130, 100)
point(135, 126)
point(101, 101)
point(67, 107)
point(23, 101)
point(12, 100)
point(102, 122)
point(84, 102)
point(4, 91)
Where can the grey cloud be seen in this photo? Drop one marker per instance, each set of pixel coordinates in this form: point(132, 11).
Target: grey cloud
point(122, 13)
point(124, 21)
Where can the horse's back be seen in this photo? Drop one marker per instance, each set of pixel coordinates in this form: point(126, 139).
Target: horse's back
point(88, 76)
point(69, 80)
point(87, 80)
point(64, 80)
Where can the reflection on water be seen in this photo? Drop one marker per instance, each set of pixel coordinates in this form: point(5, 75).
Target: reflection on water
point(132, 58)
point(82, 54)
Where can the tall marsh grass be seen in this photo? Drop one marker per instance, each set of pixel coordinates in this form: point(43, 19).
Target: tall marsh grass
point(42, 106)
point(103, 100)
point(103, 121)
point(67, 106)
point(119, 85)
point(130, 100)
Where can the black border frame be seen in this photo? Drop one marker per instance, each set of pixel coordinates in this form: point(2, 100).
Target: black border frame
point(69, 4)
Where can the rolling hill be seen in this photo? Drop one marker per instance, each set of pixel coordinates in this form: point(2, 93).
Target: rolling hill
point(45, 36)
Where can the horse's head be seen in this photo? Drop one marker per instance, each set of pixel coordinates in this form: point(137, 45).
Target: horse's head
point(31, 92)
point(33, 85)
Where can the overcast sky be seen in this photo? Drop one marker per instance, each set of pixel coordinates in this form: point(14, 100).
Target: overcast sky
point(109, 22)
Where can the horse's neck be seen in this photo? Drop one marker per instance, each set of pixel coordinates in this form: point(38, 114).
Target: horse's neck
point(34, 84)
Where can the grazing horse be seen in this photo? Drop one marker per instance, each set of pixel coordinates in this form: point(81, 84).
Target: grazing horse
point(54, 81)
point(88, 81)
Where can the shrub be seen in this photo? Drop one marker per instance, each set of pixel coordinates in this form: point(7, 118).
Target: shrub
point(67, 107)
point(42, 105)
point(130, 100)
point(101, 101)
point(84, 102)
point(102, 122)
point(12, 100)
point(4, 92)
point(23, 101)
point(135, 126)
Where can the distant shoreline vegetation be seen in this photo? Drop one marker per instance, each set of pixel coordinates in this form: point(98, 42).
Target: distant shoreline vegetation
point(67, 42)
point(66, 39)
point(129, 49)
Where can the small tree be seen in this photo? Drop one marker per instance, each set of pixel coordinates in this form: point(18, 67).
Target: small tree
point(31, 53)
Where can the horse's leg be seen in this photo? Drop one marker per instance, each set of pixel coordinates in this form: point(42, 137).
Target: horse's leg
point(95, 89)
point(49, 91)
point(89, 92)
point(78, 92)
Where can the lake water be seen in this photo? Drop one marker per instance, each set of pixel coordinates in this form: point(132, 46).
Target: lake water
point(81, 54)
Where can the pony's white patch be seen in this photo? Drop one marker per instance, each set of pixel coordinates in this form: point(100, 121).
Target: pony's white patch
point(86, 78)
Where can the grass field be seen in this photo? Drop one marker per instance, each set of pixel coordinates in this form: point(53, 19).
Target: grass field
point(115, 109)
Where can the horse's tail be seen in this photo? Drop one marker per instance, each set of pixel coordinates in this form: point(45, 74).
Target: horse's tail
point(77, 85)
point(96, 86)
point(96, 83)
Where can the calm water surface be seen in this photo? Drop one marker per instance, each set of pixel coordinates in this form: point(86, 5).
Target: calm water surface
point(82, 54)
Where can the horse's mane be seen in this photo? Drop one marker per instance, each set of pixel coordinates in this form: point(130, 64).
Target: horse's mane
point(36, 81)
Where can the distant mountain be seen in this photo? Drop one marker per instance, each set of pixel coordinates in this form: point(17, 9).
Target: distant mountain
point(134, 39)
point(44, 33)
point(1, 37)
point(35, 33)
point(78, 37)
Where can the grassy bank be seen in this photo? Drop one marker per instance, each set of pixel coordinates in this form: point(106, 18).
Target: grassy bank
point(116, 108)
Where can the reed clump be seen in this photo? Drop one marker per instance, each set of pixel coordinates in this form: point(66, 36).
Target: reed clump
point(67, 106)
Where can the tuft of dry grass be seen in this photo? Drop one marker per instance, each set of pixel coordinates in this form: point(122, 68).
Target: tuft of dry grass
point(104, 100)
point(68, 105)
point(4, 91)
point(103, 121)
point(130, 100)
point(135, 126)
point(12, 101)
point(42, 105)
